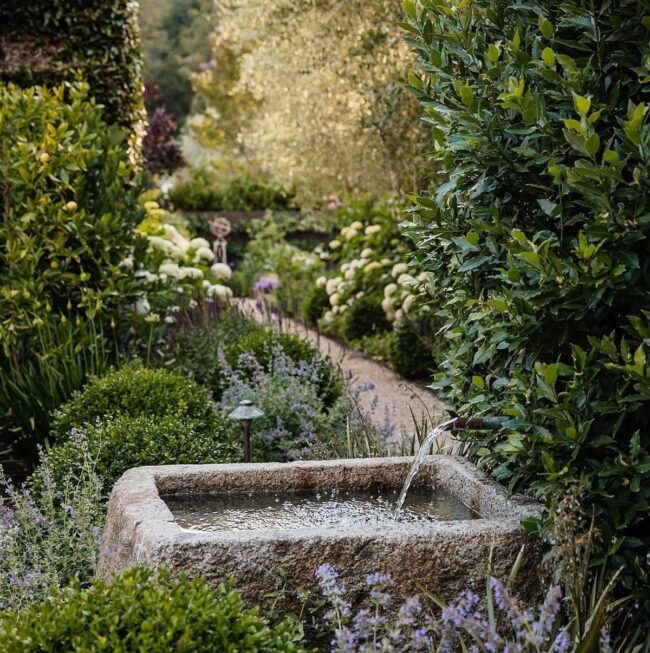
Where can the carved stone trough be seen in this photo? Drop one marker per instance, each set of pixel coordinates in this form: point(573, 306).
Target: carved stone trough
point(443, 556)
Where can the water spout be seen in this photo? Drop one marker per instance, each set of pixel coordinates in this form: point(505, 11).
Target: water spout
point(478, 423)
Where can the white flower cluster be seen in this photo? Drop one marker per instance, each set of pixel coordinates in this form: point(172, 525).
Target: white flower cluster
point(371, 272)
point(185, 262)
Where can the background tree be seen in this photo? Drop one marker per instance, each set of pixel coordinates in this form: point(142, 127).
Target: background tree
point(313, 94)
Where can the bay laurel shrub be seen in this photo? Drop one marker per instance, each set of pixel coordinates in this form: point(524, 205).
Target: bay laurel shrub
point(143, 611)
point(538, 244)
point(70, 205)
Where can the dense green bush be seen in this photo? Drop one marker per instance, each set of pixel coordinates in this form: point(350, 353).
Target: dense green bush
point(142, 611)
point(66, 224)
point(48, 41)
point(203, 191)
point(408, 353)
point(119, 443)
point(135, 391)
point(314, 304)
point(264, 345)
point(538, 244)
point(365, 317)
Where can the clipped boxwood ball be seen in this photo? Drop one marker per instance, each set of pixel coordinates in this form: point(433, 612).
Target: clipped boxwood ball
point(135, 391)
point(408, 354)
point(142, 611)
point(120, 443)
point(364, 318)
point(314, 305)
point(262, 345)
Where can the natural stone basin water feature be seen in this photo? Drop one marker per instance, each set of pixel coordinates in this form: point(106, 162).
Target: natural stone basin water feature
point(252, 521)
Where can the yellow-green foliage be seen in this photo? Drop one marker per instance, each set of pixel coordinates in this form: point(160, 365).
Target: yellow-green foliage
point(68, 211)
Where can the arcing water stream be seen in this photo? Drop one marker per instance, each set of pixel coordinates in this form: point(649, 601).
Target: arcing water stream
point(424, 449)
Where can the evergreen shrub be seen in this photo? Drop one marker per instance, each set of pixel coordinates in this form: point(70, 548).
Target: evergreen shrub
point(46, 42)
point(143, 611)
point(538, 244)
point(134, 391)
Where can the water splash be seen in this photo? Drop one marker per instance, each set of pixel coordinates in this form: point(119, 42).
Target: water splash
point(424, 449)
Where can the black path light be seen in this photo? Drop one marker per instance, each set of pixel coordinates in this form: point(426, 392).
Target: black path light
point(245, 413)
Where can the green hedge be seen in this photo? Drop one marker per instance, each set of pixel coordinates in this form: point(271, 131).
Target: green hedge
point(141, 611)
point(48, 41)
point(539, 244)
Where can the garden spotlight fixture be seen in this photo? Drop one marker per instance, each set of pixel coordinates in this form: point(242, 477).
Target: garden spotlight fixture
point(245, 413)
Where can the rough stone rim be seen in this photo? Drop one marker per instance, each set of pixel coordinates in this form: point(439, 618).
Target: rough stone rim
point(141, 502)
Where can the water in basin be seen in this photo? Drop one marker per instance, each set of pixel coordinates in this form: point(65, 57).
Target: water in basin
point(317, 509)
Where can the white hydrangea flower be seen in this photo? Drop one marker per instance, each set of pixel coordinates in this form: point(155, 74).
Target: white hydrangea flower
point(390, 289)
point(204, 254)
point(360, 294)
point(321, 281)
point(386, 262)
point(399, 268)
point(407, 304)
point(328, 317)
point(357, 225)
point(349, 273)
point(335, 244)
point(348, 233)
point(191, 273)
point(205, 283)
point(170, 269)
point(372, 229)
point(345, 266)
point(142, 306)
point(163, 245)
point(423, 276)
point(342, 309)
point(309, 261)
point(366, 253)
point(221, 271)
point(399, 314)
point(148, 277)
point(219, 291)
point(197, 243)
point(127, 263)
point(335, 299)
point(388, 304)
point(371, 267)
point(332, 284)
point(406, 280)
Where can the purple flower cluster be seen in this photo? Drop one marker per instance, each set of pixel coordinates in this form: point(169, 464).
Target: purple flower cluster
point(265, 285)
point(377, 626)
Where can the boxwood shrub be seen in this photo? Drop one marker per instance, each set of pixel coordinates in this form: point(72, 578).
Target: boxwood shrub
point(143, 611)
point(122, 442)
point(135, 391)
point(538, 244)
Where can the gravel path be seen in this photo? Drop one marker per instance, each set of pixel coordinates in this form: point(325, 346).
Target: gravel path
point(391, 400)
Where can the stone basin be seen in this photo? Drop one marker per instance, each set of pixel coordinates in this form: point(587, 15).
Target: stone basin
point(445, 557)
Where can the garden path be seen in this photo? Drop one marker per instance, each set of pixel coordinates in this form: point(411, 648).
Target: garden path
point(391, 401)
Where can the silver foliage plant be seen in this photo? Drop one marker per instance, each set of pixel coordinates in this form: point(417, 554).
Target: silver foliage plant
point(50, 529)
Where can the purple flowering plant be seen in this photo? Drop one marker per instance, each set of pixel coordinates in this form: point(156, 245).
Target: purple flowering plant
point(383, 624)
point(50, 529)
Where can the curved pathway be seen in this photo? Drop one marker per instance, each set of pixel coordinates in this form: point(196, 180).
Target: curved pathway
point(393, 404)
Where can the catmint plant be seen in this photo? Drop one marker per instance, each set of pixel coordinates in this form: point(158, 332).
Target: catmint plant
point(383, 624)
point(49, 529)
